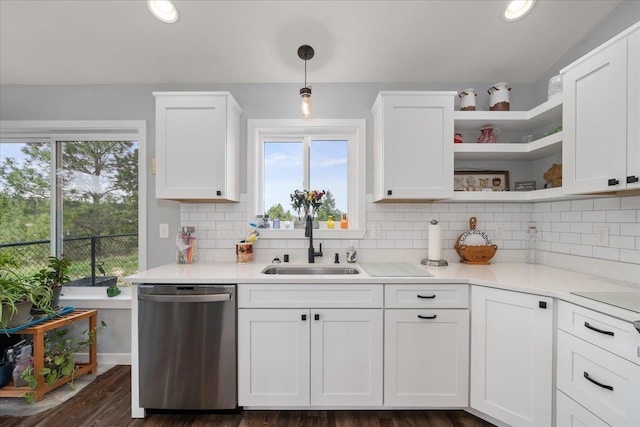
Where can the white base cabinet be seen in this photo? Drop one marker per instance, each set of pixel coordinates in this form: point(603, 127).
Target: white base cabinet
point(571, 414)
point(426, 358)
point(512, 356)
point(295, 357)
point(598, 366)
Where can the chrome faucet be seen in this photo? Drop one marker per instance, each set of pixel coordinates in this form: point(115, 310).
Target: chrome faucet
point(308, 232)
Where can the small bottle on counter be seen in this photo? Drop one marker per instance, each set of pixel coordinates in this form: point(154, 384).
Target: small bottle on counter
point(344, 222)
point(532, 243)
point(330, 223)
point(276, 223)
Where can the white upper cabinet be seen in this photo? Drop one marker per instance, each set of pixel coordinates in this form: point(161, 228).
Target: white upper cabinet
point(413, 153)
point(197, 141)
point(600, 121)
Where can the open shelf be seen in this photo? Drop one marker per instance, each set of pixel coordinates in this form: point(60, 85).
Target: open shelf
point(526, 121)
point(510, 196)
point(543, 147)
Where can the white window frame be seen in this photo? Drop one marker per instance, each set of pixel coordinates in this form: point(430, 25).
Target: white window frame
point(88, 130)
point(351, 130)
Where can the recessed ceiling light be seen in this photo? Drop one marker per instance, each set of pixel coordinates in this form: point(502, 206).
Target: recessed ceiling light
point(517, 9)
point(164, 10)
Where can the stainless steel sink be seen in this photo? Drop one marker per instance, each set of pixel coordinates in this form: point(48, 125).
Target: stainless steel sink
point(309, 269)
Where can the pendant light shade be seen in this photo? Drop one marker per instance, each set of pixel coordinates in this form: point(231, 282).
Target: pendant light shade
point(305, 52)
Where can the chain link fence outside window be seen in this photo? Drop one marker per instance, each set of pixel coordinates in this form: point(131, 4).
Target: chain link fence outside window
point(95, 260)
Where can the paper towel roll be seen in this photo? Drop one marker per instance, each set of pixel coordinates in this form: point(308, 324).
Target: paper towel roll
point(435, 244)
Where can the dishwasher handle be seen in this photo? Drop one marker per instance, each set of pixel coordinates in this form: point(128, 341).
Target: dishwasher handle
point(185, 298)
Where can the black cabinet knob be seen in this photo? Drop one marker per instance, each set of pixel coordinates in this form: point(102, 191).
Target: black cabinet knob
point(613, 181)
point(542, 304)
point(389, 192)
point(304, 317)
point(316, 316)
point(218, 193)
point(632, 179)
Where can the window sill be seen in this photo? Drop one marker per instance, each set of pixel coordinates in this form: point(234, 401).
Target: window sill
point(325, 234)
point(95, 297)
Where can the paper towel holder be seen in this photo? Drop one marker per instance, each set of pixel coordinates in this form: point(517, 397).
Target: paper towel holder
point(434, 262)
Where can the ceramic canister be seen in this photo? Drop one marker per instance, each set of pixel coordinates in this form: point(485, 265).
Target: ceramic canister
point(467, 100)
point(499, 97)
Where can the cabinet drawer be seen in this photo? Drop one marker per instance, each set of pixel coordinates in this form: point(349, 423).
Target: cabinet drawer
point(310, 296)
point(609, 333)
point(426, 296)
point(571, 414)
point(601, 381)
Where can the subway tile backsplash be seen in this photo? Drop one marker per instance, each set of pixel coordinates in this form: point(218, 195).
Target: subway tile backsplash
point(564, 227)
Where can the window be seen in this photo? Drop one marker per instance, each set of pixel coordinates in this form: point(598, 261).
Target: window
point(289, 155)
point(71, 191)
point(317, 164)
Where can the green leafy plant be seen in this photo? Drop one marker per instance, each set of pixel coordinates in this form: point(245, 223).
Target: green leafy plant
point(306, 200)
point(55, 274)
point(16, 289)
point(59, 358)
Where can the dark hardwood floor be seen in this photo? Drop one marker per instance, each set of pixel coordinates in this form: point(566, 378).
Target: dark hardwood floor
point(107, 402)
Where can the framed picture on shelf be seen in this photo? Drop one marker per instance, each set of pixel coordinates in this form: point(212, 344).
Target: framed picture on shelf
point(481, 181)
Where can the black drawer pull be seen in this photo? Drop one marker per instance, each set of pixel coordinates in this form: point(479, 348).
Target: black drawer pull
point(426, 296)
point(304, 317)
point(588, 326)
point(613, 181)
point(632, 179)
point(316, 316)
point(608, 387)
point(427, 317)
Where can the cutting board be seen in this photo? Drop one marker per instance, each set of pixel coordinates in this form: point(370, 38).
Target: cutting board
point(394, 269)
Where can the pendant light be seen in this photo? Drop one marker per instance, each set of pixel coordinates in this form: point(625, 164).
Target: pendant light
point(305, 52)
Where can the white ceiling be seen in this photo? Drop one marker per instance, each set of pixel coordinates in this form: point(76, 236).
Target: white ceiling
point(120, 42)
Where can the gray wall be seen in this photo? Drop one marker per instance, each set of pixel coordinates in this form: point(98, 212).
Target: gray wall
point(259, 101)
point(622, 17)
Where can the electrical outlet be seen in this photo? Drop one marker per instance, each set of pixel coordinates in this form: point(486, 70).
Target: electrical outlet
point(499, 231)
point(377, 231)
point(164, 231)
point(602, 236)
point(221, 231)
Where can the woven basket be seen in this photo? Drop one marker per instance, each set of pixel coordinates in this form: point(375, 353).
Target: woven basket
point(476, 254)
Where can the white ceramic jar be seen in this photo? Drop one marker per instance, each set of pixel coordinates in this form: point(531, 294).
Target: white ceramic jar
point(467, 99)
point(499, 97)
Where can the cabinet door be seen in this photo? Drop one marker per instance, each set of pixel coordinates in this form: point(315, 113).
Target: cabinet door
point(273, 357)
point(595, 122)
point(346, 357)
point(426, 360)
point(414, 147)
point(633, 97)
point(571, 414)
point(511, 356)
point(196, 158)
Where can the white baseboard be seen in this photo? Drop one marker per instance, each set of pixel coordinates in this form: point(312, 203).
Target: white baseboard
point(107, 358)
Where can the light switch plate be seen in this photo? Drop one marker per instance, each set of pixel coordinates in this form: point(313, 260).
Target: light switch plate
point(164, 231)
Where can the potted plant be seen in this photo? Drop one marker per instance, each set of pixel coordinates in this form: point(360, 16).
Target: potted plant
point(18, 295)
point(307, 202)
point(59, 358)
point(52, 277)
point(15, 301)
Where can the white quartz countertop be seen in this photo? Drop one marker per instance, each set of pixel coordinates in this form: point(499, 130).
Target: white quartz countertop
point(534, 279)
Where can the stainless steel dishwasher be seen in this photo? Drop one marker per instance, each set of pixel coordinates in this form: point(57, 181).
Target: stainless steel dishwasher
point(187, 354)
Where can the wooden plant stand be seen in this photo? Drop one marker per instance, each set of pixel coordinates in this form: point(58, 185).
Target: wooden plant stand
point(38, 353)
